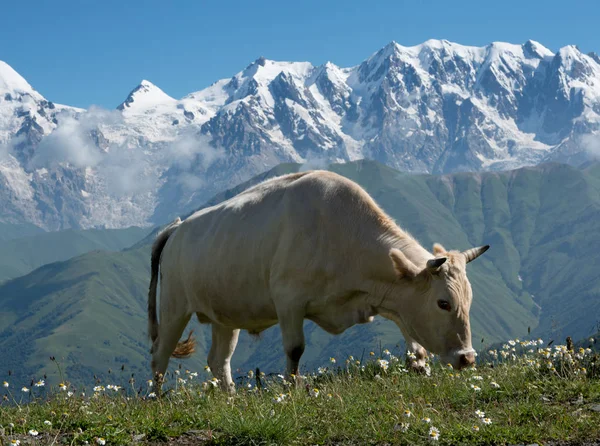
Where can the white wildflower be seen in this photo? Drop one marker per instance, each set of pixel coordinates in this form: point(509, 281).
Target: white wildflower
point(383, 364)
point(434, 433)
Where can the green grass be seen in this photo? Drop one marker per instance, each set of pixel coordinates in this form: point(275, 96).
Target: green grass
point(9, 231)
point(525, 399)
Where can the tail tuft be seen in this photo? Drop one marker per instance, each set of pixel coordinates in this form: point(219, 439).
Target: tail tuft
point(185, 348)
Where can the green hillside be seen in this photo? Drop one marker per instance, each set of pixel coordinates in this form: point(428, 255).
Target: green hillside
point(21, 255)
point(541, 273)
point(9, 231)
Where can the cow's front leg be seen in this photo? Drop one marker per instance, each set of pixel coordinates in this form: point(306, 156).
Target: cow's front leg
point(417, 355)
point(292, 333)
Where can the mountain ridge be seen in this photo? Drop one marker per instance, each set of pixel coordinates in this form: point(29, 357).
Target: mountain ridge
point(437, 107)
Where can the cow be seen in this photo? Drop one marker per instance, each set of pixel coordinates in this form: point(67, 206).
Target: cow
point(311, 245)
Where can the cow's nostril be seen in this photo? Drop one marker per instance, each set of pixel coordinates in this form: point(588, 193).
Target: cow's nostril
point(467, 360)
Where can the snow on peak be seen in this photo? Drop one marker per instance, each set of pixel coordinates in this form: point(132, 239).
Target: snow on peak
point(569, 52)
point(264, 71)
point(10, 80)
point(145, 96)
point(536, 49)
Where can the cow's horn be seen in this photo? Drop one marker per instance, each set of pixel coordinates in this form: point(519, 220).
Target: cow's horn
point(473, 253)
point(435, 263)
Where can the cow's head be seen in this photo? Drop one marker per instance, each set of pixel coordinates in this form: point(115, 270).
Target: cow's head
point(434, 308)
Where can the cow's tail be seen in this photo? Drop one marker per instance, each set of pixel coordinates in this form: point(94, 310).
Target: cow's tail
point(184, 348)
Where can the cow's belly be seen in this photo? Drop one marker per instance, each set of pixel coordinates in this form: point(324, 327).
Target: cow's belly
point(251, 312)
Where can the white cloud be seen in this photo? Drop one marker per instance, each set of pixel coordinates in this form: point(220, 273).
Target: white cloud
point(591, 144)
point(192, 154)
point(70, 143)
point(192, 149)
point(314, 162)
point(123, 168)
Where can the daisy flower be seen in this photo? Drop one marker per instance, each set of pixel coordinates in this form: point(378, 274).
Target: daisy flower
point(314, 392)
point(101, 441)
point(5, 384)
point(33, 432)
point(402, 427)
point(434, 433)
point(24, 389)
point(426, 420)
point(279, 398)
point(480, 413)
point(475, 428)
point(40, 383)
point(383, 364)
point(48, 423)
point(407, 413)
point(486, 421)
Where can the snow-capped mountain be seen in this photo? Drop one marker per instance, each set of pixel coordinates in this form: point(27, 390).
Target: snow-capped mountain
point(436, 107)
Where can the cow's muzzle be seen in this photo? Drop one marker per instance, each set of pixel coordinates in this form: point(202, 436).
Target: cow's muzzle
point(466, 360)
point(459, 359)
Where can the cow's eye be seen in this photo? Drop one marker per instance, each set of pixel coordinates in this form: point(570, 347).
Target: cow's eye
point(444, 305)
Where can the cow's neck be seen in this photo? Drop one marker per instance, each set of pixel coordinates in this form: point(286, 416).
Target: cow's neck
point(384, 282)
point(395, 237)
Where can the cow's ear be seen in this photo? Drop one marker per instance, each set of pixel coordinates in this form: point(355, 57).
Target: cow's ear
point(402, 265)
point(438, 249)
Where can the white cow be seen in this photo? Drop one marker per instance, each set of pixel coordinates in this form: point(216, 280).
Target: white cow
point(311, 245)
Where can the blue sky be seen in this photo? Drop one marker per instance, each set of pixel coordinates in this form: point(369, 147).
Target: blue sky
point(83, 52)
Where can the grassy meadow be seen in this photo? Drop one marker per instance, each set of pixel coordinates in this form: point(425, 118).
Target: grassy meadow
point(522, 392)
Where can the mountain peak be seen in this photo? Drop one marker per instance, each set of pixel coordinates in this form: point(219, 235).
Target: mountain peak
point(146, 95)
point(11, 80)
point(536, 49)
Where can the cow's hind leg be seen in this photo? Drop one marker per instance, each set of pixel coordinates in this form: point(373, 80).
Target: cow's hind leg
point(292, 333)
point(169, 333)
point(224, 341)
